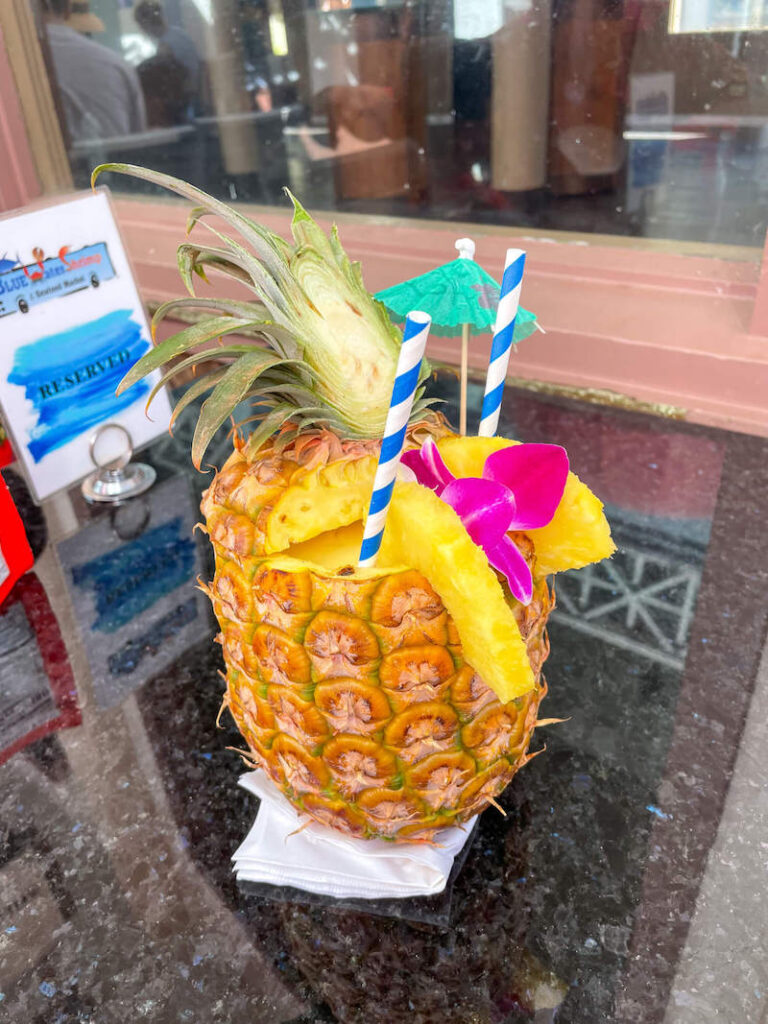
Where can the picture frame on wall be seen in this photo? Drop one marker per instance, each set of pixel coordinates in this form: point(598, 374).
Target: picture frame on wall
point(71, 324)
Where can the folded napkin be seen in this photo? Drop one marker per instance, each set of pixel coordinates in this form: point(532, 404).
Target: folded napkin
point(321, 860)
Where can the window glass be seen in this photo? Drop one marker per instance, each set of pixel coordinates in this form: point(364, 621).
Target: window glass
point(631, 117)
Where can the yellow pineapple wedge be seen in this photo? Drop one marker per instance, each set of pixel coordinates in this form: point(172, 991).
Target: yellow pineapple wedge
point(578, 534)
point(386, 702)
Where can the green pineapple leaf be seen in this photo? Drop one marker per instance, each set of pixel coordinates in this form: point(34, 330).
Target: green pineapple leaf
point(177, 344)
point(335, 347)
point(197, 388)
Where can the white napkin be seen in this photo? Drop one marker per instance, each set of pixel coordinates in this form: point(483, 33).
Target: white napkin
point(321, 860)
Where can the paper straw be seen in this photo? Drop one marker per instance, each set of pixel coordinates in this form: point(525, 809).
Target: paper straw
point(503, 333)
point(403, 392)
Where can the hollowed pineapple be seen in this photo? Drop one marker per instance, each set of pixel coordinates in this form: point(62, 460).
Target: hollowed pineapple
point(386, 702)
point(352, 688)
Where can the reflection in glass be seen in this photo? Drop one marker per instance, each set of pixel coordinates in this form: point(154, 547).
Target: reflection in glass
point(606, 116)
point(171, 77)
point(99, 91)
point(130, 575)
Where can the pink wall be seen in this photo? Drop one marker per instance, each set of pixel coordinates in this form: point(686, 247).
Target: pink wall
point(640, 321)
point(18, 178)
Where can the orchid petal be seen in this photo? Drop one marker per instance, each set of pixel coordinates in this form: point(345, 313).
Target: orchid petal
point(434, 460)
point(427, 463)
point(536, 474)
point(484, 506)
point(413, 461)
point(507, 559)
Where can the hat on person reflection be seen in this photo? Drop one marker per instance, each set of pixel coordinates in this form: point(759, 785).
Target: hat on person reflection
point(82, 19)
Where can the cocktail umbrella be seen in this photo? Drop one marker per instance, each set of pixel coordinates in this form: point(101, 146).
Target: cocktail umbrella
point(461, 298)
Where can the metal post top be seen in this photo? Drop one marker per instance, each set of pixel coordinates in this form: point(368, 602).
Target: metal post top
point(116, 478)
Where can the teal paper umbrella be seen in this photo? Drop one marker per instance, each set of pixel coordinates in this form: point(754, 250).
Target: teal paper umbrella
point(461, 298)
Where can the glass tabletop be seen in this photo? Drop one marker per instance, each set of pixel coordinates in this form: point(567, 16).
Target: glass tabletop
point(625, 880)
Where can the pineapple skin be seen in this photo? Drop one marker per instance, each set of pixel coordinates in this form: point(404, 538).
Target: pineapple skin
point(352, 693)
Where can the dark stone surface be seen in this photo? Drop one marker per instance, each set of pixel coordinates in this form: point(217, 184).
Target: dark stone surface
point(117, 900)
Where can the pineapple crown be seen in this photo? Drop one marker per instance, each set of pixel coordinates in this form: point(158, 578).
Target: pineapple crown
point(323, 350)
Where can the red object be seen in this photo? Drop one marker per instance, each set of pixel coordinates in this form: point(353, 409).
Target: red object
point(15, 553)
point(6, 453)
point(30, 594)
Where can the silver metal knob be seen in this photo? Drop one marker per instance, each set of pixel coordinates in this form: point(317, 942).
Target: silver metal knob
point(116, 478)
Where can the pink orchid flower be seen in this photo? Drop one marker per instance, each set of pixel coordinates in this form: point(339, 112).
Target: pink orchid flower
point(520, 489)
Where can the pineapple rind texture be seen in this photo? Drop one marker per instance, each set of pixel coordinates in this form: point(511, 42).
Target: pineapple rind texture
point(379, 745)
point(352, 691)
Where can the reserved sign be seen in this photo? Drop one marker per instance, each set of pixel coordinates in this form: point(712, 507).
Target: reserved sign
point(48, 389)
point(71, 324)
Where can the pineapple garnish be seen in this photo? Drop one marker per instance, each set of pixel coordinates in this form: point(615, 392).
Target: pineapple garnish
point(424, 532)
point(579, 533)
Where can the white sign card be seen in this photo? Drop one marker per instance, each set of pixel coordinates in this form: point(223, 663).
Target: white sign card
point(71, 325)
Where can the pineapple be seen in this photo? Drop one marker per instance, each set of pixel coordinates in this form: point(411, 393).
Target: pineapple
point(387, 702)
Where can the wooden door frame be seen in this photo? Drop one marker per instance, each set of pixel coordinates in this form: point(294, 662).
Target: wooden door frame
point(30, 129)
point(19, 182)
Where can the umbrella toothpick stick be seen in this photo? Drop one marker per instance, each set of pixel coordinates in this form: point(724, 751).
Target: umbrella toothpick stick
point(466, 249)
point(464, 366)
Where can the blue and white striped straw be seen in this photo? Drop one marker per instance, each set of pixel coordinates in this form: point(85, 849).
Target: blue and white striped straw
point(503, 334)
point(407, 377)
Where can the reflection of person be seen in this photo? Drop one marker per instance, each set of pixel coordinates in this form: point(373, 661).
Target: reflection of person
point(177, 60)
point(100, 92)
